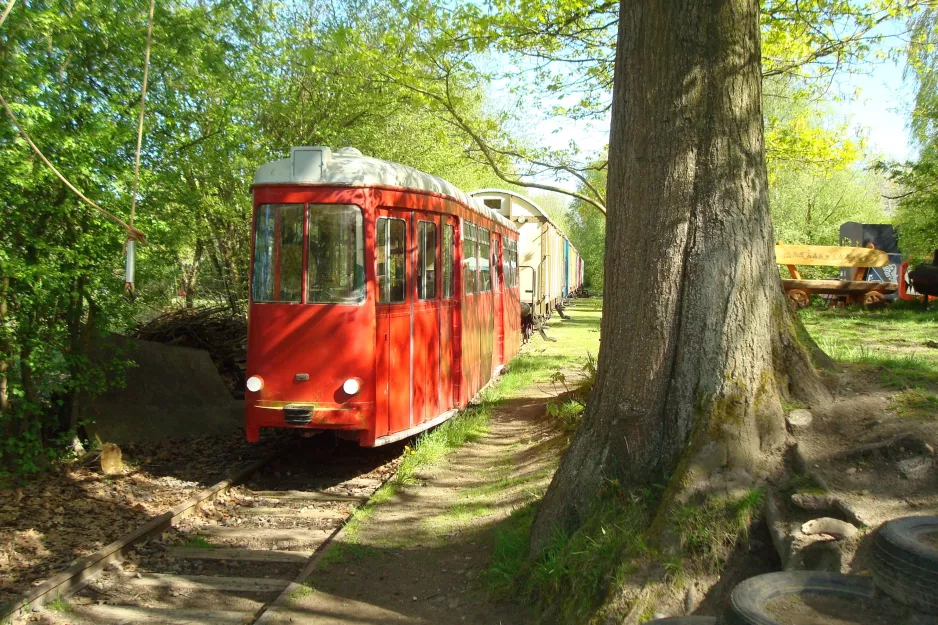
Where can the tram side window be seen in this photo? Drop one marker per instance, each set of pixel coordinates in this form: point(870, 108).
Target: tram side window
point(392, 262)
point(469, 257)
point(506, 262)
point(426, 260)
point(495, 262)
point(510, 262)
point(336, 268)
point(278, 254)
point(448, 232)
point(485, 273)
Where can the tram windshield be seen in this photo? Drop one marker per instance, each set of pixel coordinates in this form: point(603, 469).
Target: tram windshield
point(336, 254)
point(336, 269)
point(278, 253)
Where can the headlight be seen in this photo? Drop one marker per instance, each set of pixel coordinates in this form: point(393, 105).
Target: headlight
point(255, 383)
point(351, 386)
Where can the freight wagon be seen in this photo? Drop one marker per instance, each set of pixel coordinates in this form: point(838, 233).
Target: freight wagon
point(550, 267)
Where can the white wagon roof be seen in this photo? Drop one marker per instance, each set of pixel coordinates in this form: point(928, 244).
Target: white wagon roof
point(531, 206)
point(347, 167)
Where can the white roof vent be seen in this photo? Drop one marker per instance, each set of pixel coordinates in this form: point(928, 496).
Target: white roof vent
point(348, 151)
point(309, 163)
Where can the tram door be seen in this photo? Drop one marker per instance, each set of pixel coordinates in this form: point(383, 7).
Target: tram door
point(426, 321)
point(394, 248)
point(450, 352)
point(498, 288)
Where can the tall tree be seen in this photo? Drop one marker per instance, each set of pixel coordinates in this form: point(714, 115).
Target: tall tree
point(699, 347)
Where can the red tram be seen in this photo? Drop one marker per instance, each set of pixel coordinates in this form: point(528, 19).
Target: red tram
point(382, 298)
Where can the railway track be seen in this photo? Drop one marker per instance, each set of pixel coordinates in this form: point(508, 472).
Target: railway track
point(244, 551)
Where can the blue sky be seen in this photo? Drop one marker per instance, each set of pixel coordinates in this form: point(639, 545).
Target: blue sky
point(881, 109)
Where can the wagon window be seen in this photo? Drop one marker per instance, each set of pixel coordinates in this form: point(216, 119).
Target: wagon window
point(278, 253)
point(336, 267)
point(469, 257)
point(495, 262)
point(426, 260)
point(485, 272)
point(392, 261)
point(513, 263)
point(447, 261)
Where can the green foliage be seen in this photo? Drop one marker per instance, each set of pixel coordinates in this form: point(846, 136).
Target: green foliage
point(567, 410)
point(232, 85)
point(815, 178)
point(917, 212)
point(568, 414)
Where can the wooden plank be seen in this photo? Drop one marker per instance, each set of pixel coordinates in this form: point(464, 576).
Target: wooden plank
point(839, 287)
point(209, 582)
point(330, 514)
point(240, 555)
point(257, 534)
point(299, 495)
point(164, 616)
point(830, 256)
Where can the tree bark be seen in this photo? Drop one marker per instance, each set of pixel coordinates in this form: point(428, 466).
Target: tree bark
point(698, 343)
point(6, 352)
point(190, 275)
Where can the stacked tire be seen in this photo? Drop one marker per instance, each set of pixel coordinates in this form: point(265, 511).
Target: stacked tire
point(904, 567)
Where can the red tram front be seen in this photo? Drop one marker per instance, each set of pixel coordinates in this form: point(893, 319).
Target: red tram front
point(382, 298)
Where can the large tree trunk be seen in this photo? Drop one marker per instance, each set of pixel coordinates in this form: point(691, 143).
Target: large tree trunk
point(698, 344)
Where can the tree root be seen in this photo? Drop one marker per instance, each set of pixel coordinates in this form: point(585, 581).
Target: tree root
point(906, 437)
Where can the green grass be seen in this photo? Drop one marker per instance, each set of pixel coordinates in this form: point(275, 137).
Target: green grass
point(917, 404)
point(577, 571)
point(466, 511)
point(896, 343)
point(59, 605)
point(805, 483)
point(304, 590)
point(504, 483)
point(708, 530)
point(198, 542)
point(568, 414)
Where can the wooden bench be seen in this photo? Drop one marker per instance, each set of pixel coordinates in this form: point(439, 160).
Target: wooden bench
point(870, 294)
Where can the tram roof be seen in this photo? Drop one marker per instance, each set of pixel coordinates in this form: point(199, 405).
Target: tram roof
point(319, 165)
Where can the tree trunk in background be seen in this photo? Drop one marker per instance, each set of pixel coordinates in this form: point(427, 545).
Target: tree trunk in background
point(698, 343)
point(190, 275)
point(5, 352)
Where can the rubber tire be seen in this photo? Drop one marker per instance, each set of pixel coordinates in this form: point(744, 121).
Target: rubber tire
point(747, 605)
point(905, 568)
point(685, 620)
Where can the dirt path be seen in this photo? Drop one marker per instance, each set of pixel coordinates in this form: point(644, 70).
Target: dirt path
point(421, 557)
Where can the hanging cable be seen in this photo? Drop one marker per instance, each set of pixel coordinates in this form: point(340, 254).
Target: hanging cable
point(132, 233)
point(131, 242)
